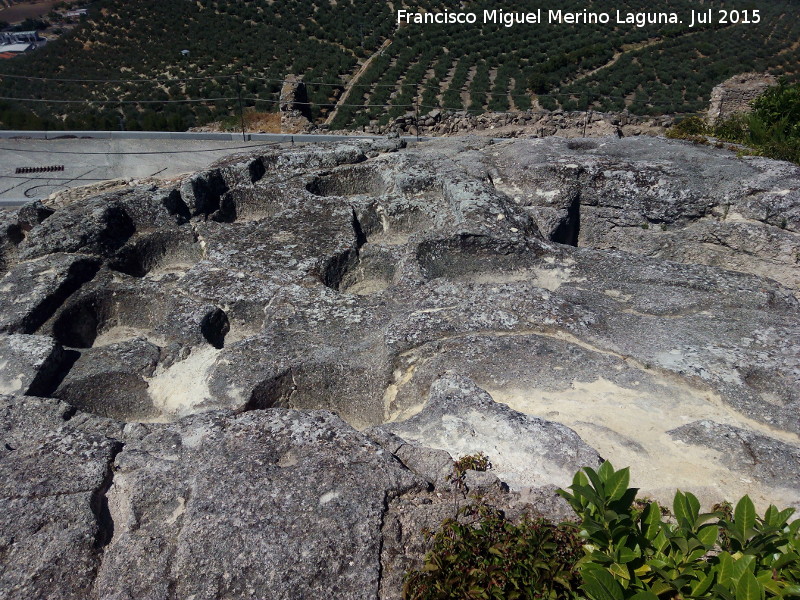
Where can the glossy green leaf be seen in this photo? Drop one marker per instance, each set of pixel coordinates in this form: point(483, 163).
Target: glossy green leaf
point(619, 571)
point(721, 592)
point(605, 471)
point(741, 566)
point(596, 481)
point(791, 591)
point(708, 535)
point(644, 595)
point(749, 588)
point(601, 585)
point(626, 555)
point(744, 514)
point(660, 587)
point(651, 520)
point(589, 493)
point(783, 516)
point(701, 586)
point(660, 542)
point(725, 569)
point(617, 483)
point(784, 559)
point(680, 507)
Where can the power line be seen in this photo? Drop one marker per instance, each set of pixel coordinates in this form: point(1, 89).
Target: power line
point(44, 100)
point(575, 96)
point(418, 85)
point(140, 80)
point(228, 98)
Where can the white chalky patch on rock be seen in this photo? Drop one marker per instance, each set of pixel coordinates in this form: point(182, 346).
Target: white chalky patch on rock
point(123, 333)
point(328, 497)
point(11, 386)
point(619, 422)
point(549, 194)
point(177, 389)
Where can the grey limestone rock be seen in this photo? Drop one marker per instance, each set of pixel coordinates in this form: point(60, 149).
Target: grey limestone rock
point(98, 226)
point(544, 301)
point(54, 522)
point(768, 460)
point(33, 290)
point(111, 380)
point(463, 419)
point(29, 364)
point(268, 504)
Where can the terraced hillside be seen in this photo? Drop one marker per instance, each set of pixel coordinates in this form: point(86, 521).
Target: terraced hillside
point(127, 60)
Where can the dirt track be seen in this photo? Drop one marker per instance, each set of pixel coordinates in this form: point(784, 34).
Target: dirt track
point(27, 10)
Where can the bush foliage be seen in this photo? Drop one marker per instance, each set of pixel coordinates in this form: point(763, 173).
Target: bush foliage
point(483, 555)
point(621, 549)
point(772, 129)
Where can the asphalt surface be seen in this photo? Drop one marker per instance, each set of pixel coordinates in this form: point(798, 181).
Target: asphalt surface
point(87, 161)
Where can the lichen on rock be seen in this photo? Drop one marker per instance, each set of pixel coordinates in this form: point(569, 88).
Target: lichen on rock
point(273, 361)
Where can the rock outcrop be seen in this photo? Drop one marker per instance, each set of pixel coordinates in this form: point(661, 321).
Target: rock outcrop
point(251, 384)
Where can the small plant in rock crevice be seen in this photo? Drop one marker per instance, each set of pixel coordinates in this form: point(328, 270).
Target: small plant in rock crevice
point(470, 462)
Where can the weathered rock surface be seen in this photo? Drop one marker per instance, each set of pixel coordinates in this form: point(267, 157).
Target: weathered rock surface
point(462, 419)
point(548, 302)
point(765, 459)
point(54, 521)
point(29, 364)
point(523, 124)
point(33, 290)
point(269, 504)
point(217, 505)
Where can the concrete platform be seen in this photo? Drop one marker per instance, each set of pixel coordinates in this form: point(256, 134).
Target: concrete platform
point(87, 161)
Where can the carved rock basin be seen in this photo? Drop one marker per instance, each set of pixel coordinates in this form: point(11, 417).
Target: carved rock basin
point(173, 358)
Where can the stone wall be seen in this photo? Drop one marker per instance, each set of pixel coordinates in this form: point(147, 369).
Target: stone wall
point(734, 95)
point(294, 107)
point(527, 123)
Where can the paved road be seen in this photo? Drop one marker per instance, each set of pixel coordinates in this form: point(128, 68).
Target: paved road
point(89, 160)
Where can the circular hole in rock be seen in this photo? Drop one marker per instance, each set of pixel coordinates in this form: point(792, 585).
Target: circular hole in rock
point(158, 253)
point(349, 181)
point(108, 317)
point(368, 271)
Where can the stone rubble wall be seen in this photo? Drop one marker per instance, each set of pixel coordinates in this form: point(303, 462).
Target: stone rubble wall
point(734, 95)
point(294, 108)
point(528, 123)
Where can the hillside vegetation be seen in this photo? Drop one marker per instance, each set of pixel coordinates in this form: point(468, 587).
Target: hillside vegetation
point(238, 53)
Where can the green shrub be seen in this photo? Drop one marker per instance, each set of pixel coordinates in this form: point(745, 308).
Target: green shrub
point(690, 126)
point(772, 129)
point(474, 462)
point(625, 549)
point(482, 555)
point(632, 553)
point(780, 104)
